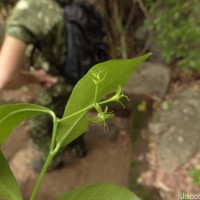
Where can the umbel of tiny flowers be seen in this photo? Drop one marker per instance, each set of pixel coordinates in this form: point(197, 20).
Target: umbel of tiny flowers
point(102, 116)
point(119, 95)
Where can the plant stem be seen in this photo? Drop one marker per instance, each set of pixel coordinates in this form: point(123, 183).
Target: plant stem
point(112, 99)
point(41, 176)
point(53, 151)
point(96, 92)
point(53, 140)
point(76, 113)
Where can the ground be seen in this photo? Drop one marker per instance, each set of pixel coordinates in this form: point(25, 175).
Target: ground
point(169, 178)
point(107, 159)
point(112, 157)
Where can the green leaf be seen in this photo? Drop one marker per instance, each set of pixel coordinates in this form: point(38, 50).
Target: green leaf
point(8, 184)
point(11, 115)
point(113, 74)
point(70, 129)
point(117, 73)
point(105, 191)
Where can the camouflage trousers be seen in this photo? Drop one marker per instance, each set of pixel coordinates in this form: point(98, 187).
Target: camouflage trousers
point(40, 127)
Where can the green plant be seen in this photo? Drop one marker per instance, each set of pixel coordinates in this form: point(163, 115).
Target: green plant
point(195, 174)
point(176, 29)
point(101, 80)
point(117, 17)
point(121, 19)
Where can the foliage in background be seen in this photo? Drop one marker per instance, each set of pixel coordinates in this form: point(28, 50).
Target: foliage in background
point(117, 28)
point(176, 28)
point(121, 19)
point(195, 173)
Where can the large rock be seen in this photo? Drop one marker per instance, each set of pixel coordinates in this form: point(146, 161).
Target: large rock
point(149, 81)
point(178, 130)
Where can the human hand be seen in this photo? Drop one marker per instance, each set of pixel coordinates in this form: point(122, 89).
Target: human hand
point(45, 79)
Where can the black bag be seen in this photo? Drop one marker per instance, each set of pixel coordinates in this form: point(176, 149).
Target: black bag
point(86, 35)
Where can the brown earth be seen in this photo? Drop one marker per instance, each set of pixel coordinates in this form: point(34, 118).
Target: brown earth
point(107, 159)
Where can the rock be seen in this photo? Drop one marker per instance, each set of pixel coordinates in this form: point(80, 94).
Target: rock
point(178, 130)
point(149, 81)
point(21, 163)
point(157, 128)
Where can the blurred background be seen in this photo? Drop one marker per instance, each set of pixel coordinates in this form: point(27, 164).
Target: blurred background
point(153, 144)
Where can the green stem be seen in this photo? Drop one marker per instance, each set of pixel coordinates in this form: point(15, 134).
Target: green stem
point(53, 140)
point(96, 92)
point(76, 113)
point(53, 151)
point(87, 108)
point(41, 176)
point(112, 99)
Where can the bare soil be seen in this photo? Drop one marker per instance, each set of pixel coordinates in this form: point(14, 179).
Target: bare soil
point(107, 159)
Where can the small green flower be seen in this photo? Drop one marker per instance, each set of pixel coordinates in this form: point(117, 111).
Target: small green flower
point(102, 116)
point(119, 95)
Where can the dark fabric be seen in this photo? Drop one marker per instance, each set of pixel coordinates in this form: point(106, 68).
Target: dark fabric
point(86, 46)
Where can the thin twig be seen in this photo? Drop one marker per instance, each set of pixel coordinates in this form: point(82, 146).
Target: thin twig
point(150, 33)
point(130, 18)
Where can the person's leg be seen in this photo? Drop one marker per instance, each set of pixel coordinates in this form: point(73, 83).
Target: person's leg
point(40, 129)
point(77, 146)
point(58, 106)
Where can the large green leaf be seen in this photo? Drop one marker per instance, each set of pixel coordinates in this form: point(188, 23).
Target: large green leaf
point(70, 129)
point(114, 73)
point(105, 191)
point(79, 99)
point(9, 189)
point(11, 115)
point(117, 72)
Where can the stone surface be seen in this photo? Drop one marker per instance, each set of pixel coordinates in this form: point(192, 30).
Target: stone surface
point(150, 80)
point(178, 130)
